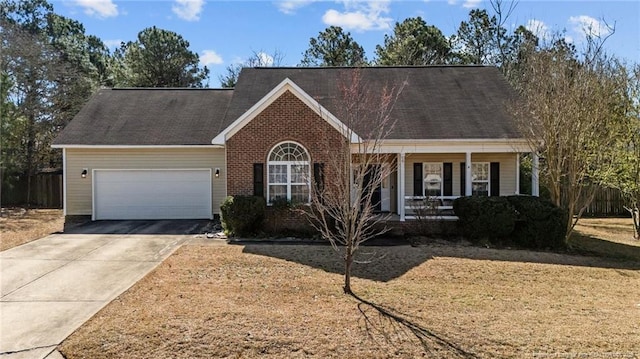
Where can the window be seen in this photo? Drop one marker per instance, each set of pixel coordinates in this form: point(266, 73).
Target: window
point(480, 179)
point(288, 173)
point(432, 174)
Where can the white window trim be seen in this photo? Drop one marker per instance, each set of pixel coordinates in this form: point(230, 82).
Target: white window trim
point(289, 164)
point(424, 177)
point(487, 181)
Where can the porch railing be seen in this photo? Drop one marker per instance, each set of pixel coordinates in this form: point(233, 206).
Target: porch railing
point(426, 207)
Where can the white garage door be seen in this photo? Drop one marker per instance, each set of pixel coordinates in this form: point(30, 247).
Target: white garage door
point(152, 194)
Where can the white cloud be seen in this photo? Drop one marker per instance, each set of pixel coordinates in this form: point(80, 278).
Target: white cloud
point(188, 10)
point(538, 28)
point(265, 59)
point(112, 44)
point(210, 57)
point(467, 4)
point(98, 8)
point(290, 6)
point(471, 4)
point(360, 16)
point(584, 25)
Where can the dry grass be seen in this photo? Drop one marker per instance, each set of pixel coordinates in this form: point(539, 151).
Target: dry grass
point(619, 230)
point(285, 301)
point(611, 237)
point(19, 226)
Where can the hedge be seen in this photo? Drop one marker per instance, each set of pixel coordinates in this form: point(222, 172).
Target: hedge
point(243, 215)
point(526, 221)
point(540, 225)
point(485, 218)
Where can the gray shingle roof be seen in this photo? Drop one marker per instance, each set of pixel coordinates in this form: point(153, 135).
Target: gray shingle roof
point(143, 116)
point(438, 102)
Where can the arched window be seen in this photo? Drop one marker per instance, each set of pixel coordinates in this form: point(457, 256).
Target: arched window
point(288, 173)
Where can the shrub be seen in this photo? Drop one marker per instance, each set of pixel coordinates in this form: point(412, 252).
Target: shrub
point(540, 224)
point(427, 221)
point(485, 218)
point(286, 219)
point(529, 222)
point(243, 215)
point(281, 204)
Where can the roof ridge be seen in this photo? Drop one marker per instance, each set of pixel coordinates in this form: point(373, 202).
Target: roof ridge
point(168, 88)
point(371, 67)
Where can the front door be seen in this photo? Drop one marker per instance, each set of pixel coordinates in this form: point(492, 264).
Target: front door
point(376, 196)
point(385, 201)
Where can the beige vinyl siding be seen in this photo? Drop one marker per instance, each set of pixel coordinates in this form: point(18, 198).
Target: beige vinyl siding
point(507, 169)
point(78, 190)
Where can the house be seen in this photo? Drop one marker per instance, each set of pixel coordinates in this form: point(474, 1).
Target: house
point(176, 153)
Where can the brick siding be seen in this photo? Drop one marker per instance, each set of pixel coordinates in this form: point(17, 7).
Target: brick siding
point(286, 119)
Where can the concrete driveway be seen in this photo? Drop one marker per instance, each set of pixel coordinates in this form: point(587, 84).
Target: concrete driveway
point(51, 286)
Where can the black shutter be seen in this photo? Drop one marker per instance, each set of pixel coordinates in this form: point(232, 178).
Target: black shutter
point(318, 176)
point(494, 177)
point(463, 177)
point(447, 187)
point(258, 179)
point(417, 179)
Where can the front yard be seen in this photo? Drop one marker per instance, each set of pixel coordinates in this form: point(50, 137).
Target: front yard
point(609, 237)
point(451, 300)
point(19, 226)
point(285, 301)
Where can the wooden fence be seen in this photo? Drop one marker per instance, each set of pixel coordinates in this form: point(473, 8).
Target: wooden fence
point(46, 191)
point(608, 202)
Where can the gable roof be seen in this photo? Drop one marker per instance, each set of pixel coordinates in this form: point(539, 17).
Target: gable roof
point(268, 99)
point(437, 102)
point(148, 116)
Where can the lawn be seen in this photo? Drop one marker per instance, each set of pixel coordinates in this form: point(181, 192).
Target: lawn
point(282, 301)
point(19, 226)
point(452, 301)
point(611, 237)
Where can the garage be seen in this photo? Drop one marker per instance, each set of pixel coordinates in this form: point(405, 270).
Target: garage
point(152, 194)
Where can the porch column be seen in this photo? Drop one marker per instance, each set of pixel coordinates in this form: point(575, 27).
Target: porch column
point(517, 173)
point(400, 185)
point(64, 181)
point(535, 172)
point(467, 185)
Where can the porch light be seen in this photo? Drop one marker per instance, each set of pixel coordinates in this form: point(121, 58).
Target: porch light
point(217, 172)
point(84, 173)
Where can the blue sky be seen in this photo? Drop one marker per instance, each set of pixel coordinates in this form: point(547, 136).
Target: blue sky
point(226, 32)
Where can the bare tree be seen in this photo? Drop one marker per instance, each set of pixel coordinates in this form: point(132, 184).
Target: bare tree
point(343, 206)
point(257, 59)
point(502, 17)
point(570, 113)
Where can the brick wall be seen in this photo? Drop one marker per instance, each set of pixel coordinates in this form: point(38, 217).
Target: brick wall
point(286, 119)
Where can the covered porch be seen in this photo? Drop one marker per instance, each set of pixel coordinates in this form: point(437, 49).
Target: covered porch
point(429, 177)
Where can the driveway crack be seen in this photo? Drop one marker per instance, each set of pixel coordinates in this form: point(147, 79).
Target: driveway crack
point(53, 347)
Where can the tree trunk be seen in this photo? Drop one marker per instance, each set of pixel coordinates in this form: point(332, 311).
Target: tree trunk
point(30, 155)
point(28, 204)
point(348, 261)
point(635, 214)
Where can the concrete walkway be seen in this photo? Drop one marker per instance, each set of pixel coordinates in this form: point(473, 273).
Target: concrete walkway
point(51, 286)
